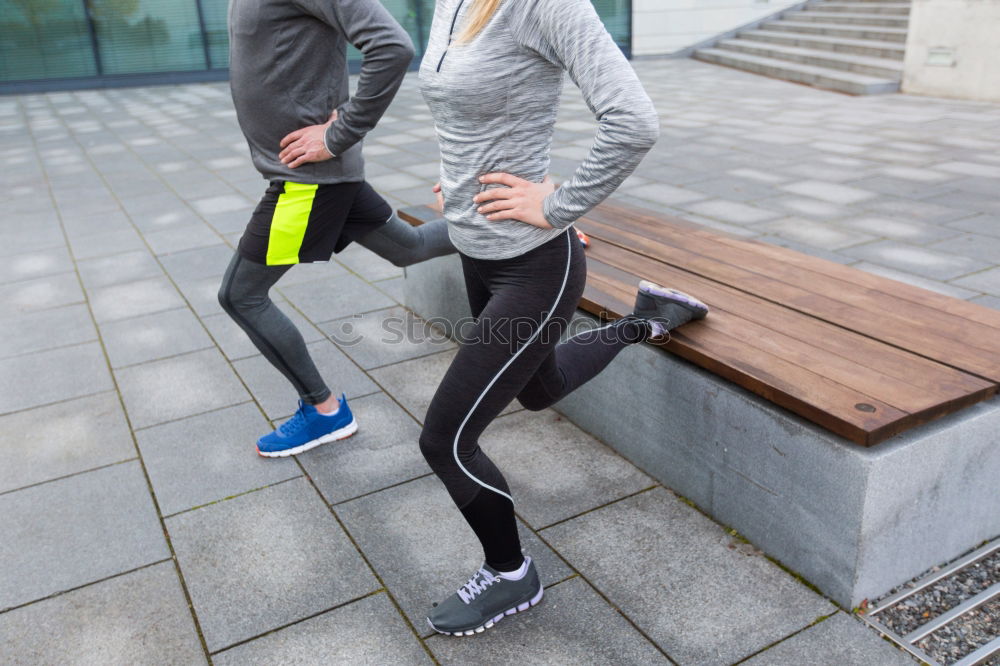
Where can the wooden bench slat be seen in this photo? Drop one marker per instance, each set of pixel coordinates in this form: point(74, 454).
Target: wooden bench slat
point(889, 327)
point(910, 383)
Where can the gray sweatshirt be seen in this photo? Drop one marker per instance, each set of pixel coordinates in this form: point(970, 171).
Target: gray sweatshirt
point(494, 102)
point(288, 69)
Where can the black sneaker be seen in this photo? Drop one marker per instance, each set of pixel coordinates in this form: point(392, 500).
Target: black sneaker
point(485, 600)
point(665, 308)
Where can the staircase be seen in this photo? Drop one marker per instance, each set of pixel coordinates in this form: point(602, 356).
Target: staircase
point(851, 46)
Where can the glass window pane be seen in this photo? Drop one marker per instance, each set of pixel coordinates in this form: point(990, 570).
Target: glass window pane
point(43, 39)
point(148, 35)
point(618, 20)
point(217, 27)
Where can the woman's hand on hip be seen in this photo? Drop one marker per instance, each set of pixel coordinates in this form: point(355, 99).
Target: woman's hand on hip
point(520, 200)
point(306, 145)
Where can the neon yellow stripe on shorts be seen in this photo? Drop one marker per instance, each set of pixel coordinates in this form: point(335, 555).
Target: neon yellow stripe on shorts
point(288, 226)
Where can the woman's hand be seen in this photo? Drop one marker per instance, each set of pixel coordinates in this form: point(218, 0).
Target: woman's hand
point(438, 196)
point(306, 145)
point(521, 200)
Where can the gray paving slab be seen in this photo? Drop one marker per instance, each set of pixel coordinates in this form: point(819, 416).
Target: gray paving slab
point(554, 469)
point(988, 301)
point(413, 383)
point(138, 618)
point(916, 280)
point(341, 296)
point(119, 238)
point(235, 344)
point(132, 299)
point(39, 294)
point(181, 238)
point(987, 281)
point(118, 268)
point(310, 272)
point(421, 546)
point(724, 604)
point(263, 560)
point(382, 453)
point(54, 375)
point(32, 234)
point(367, 264)
point(179, 387)
point(392, 287)
point(73, 531)
point(197, 263)
point(978, 246)
point(922, 261)
point(367, 631)
point(39, 263)
point(979, 224)
point(840, 639)
point(151, 337)
point(572, 625)
point(276, 395)
point(46, 329)
point(910, 231)
point(732, 212)
point(386, 336)
point(209, 457)
point(816, 234)
point(202, 294)
point(62, 439)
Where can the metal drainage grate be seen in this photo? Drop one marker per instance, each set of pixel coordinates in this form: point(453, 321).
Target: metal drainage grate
point(986, 595)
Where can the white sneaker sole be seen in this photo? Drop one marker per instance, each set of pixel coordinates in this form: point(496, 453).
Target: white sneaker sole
point(343, 433)
point(520, 608)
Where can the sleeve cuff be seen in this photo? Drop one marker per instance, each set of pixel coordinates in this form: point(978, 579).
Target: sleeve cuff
point(550, 210)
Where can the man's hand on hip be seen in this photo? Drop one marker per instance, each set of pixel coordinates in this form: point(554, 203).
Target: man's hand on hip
point(306, 145)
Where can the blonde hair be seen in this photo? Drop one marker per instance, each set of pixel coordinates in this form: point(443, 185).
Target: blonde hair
point(479, 15)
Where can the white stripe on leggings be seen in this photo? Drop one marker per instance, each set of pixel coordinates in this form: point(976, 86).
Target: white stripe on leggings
point(569, 254)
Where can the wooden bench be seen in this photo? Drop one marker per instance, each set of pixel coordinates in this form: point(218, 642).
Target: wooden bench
point(860, 355)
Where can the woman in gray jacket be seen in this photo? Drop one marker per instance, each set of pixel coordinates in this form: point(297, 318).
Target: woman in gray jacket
point(492, 76)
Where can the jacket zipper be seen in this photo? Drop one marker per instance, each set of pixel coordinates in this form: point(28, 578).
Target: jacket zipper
point(451, 31)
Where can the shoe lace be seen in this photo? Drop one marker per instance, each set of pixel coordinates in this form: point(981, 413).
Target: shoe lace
point(294, 424)
point(475, 587)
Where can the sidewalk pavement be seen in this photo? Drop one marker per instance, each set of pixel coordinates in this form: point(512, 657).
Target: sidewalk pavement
point(138, 524)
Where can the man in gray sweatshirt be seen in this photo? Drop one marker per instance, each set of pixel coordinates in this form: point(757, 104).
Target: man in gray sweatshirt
point(289, 79)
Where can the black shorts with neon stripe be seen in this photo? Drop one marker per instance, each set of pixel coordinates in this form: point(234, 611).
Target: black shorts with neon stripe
point(300, 223)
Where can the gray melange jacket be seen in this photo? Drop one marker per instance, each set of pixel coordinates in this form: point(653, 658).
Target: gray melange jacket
point(288, 69)
point(494, 102)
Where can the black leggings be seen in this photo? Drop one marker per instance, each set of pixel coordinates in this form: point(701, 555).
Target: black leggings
point(522, 307)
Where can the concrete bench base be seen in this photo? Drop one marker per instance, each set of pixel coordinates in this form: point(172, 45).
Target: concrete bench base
point(852, 521)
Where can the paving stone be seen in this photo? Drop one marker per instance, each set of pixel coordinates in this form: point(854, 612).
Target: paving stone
point(198, 263)
point(988, 301)
point(382, 453)
point(724, 605)
point(178, 387)
point(394, 288)
point(276, 395)
point(78, 530)
point(106, 243)
point(36, 264)
point(836, 640)
point(978, 246)
point(819, 234)
point(386, 336)
point(915, 280)
point(155, 336)
point(572, 625)
point(118, 268)
point(46, 329)
point(203, 295)
point(421, 546)
point(31, 234)
point(335, 298)
point(132, 299)
point(367, 264)
point(40, 378)
point(666, 194)
point(985, 281)
point(413, 383)
point(209, 457)
point(918, 260)
point(138, 618)
point(810, 250)
point(904, 230)
point(263, 560)
point(555, 470)
point(368, 631)
point(235, 344)
point(970, 169)
point(62, 439)
point(730, 211)
point(804, 207)
point(38, 294)
point(220, 204)
point(182, 238)
point(834, 193)
point(315, 271)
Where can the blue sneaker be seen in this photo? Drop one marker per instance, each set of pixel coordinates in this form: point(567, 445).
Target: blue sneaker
point(308, 429)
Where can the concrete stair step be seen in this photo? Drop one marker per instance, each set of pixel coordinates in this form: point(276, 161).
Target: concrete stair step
point(863, 47)
point(821, 77)
point(877, 67)
point(879, 33)
point(840, 18)
point(893, 9)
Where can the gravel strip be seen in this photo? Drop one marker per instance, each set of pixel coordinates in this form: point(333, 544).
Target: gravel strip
point(957, 639)
point(942, 596)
